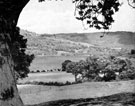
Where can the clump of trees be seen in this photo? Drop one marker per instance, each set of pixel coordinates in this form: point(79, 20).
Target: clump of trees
point(102, 69)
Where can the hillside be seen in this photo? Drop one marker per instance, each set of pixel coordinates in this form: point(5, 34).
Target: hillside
point(79, 43)
point(124, 40)
point(111, 39)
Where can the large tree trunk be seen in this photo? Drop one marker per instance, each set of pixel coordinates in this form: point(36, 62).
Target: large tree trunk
point(9, 13)
point(8, 91)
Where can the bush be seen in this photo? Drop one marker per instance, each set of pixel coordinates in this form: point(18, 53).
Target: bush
point(59, 69)
point(49, 83)
point(32, 72)
point(109, 76)
point(43, 71)
point(38, 71)
point(133, 51)
point(127, 75)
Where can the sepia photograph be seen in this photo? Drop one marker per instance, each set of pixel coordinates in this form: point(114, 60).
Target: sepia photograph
point(67, 52)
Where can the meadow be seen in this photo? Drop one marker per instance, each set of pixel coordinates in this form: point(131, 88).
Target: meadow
point(49, 77)
point(77, 94)
point(36, 94)
point(71, 95)
point(51, 62)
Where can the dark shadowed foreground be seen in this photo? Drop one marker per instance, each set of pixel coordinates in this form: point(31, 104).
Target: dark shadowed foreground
point(121, 99)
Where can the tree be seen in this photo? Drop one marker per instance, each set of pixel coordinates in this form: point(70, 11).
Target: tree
point(93, 67)
point(131, 3)
point(98, 13)
point(64, 64)
point(9, 13)
point(78, 68)
point(118, 68)
point(72, 68)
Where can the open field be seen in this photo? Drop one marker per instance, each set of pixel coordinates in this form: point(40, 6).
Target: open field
point(51, 62)
point(120, 99)
point(33, 94)
point(49, 77)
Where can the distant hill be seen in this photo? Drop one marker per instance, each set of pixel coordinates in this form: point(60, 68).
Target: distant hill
point(27, 33)
point(111, 39)
point(79, 43)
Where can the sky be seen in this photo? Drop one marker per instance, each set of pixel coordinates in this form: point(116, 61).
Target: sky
point(58, 17)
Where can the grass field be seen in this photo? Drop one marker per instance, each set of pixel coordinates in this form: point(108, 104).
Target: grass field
point(49, 77)
point(35, 94)
point(51, 62)
point(120, 99)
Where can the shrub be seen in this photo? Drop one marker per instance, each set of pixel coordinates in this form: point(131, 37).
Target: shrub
point(43, 71)
point(109, 76)
point(49, 83)
point(133, 51)
point(32, 72)
point(37, 71)
point(51, 70)
point(59, 69)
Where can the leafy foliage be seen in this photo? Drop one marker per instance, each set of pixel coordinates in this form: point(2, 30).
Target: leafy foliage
point(64, 64)
point(131, 3)
point(15, 47)
point(21, 60)
point(103, 68)
point(49, 83)
point(96, 13)
point(71, 67)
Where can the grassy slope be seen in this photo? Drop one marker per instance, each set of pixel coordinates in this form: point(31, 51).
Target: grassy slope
point(67, 43)
point(111, 39)
point(70, 95)
point(51, 62)
point(121, 99)
point(39, 94)
point(49, 77)
point(73, 43)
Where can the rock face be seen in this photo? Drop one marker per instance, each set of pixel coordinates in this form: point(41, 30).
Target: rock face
point(9, 13)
